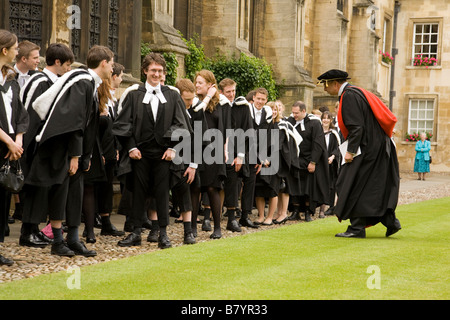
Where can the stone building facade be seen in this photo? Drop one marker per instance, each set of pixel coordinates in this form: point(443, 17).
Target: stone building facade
point(300, 38)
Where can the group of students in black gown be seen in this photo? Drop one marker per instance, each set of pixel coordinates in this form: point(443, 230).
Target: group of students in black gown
point(73, 138)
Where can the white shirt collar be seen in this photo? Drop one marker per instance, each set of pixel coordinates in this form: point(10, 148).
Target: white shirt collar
point(20, 72)
point(150, 89)
point(53, 77)
point(97, 79)
point(341, 89)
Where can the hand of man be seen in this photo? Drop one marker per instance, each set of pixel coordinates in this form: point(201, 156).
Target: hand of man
point(348, 157)
point(237, 163)
point(190, 173)
point(73, 167)
point(311, 167)
point(169, 155)
point(135, 154)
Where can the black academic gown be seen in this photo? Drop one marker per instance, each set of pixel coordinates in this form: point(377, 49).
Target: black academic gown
point(69, 130)
point(315, 186)
point(241, 120)
point(333, 149)
point(128, 124)
point(289, 169)
point(368, 186)
point(214, 174)
point(36, 86)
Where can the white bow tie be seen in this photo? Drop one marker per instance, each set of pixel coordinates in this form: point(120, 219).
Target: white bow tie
point(153, 91)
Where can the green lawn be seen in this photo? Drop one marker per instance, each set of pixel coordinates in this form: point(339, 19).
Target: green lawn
point(301, 261)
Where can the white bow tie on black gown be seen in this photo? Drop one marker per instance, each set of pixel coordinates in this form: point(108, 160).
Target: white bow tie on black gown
point(154, 96)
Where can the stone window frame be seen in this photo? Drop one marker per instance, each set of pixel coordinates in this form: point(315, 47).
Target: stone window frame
point(411, 30)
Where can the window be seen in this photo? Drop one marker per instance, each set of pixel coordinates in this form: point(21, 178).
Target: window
point(113, 34)
point(95, 25)
point(25, 20)
point(243, 23)
point(426, 40)
point(421, 115)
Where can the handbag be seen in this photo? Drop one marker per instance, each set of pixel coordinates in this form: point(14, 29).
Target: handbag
point(430, 159)
point(11, 177)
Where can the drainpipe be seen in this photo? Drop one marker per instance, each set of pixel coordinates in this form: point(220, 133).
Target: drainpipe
point(392, 92)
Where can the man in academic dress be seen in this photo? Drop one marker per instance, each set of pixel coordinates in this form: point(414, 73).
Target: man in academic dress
point(58, 59)
point(238, 153)
point(313, 163)
point(65, 144)
point(148, 115)
point(368, 184)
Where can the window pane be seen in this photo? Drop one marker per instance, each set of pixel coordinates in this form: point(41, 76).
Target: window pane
point(421, 114)
point(433, 49)
point(435, 28)
point(426, 28)
point(418, 38)
point(418, 28)
point(434, 38)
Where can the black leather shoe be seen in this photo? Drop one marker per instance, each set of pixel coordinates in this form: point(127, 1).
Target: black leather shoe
point(61, 249)
point(32, 240)
point(216, 235)
point(391, 231)
point(206, 225)
point(189, 238)
point(330, 211)
point(295, 216)
point(44, 238)
point(80, 249)
point(111, 231)
point(346, 234)
point(132, 239)
point(164, 242)
point(153, 236)
point(246, 222)
point(5, 261)
point(233, 225)
point(308, 217)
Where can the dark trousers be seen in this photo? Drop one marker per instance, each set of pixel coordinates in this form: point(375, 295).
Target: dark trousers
point(74, 203)
point(4, 212)
point(151, 177)
point(358, 224)
point(248, 190)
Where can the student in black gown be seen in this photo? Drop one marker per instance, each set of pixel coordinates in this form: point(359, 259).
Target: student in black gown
point(147, 118)
point(238, 166)
point(218, 118)
point(313, 163)
point(98, 181)
point(66, 143)
point(13, 119)
point(58, 58)
point(333, 142)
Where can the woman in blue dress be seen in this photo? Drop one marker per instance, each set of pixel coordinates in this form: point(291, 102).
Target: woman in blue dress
point(422, 160)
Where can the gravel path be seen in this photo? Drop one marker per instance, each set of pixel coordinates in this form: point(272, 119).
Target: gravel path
point(31, 262)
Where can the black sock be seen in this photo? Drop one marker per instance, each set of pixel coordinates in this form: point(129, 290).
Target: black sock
point(207, 213)
point(187, 227)
point(155, 226)
point(72, 235)
point(137, 231)
point(231, 214)
point(106, 222)
point(57, 235)
point(26, 229)
point(162, 231)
